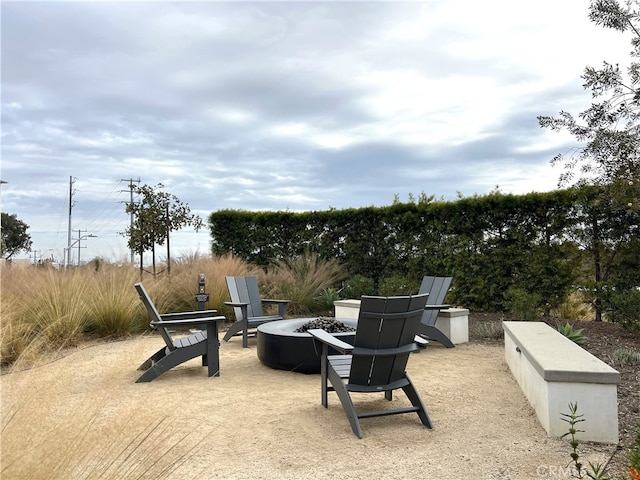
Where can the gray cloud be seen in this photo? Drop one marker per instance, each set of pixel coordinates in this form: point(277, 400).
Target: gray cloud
point(269, 105)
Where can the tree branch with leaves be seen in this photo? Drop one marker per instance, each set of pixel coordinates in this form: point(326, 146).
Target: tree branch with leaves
point(15, 238)
point(609, 160)
point(609, 128)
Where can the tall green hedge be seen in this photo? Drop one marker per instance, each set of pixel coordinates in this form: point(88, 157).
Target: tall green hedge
point(540, 244)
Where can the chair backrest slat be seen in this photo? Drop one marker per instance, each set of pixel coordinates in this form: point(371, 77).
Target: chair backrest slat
point(154, 314)
point(245, 290)
point(254, 296)
point(385, 322)
point(437, 288)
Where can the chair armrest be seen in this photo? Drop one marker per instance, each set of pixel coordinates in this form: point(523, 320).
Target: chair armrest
point(282, 305)
point(270, 300)
point(188, 322)
point(436, 307)
point(244, 310)
point(330, 340)
point(188, 315)
point(236, 304)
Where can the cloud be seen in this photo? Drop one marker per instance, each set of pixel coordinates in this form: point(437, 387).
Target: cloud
point(279, 105)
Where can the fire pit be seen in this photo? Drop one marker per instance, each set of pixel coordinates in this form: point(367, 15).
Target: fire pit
point(281, 347)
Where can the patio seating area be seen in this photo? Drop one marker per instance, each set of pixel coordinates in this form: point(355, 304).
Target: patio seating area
point(97, 418)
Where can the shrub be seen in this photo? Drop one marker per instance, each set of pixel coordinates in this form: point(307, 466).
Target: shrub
point(327, 297)
point(357, 286)
point(626, 356)
point(522, 304)
point(575, 335)
point(395, 285)
point(625, 309)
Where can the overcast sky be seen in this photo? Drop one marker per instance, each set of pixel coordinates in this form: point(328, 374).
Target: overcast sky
point(280, 105)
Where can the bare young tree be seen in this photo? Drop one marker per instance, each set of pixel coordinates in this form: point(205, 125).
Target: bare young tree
point(155, 216)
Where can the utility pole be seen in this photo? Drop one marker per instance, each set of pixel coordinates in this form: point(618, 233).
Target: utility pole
point(131, 187)
point(69, 229)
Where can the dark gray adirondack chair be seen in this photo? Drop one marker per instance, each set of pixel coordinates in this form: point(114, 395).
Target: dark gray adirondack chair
point(178, 350)
point(247, 306)
point(375, 363)
point(437, 288)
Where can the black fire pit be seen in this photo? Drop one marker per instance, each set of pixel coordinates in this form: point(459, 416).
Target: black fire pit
point(281, 347)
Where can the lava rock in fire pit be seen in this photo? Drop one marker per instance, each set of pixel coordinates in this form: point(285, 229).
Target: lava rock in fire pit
point(327, 324)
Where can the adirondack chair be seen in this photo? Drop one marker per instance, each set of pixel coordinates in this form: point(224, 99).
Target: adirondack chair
point(247, 306)
point(375, 363)
point(178, 350)
point(437, 288)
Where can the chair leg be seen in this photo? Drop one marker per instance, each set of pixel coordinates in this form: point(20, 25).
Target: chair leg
point(347, 404)
point(149, 362)
point(148, 376)
point(212, 357)
point(436, 335)
point(416, 401)
point(242, 327)
point(324, 365)
point(233, 329)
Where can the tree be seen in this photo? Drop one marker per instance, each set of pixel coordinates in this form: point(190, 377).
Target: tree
point(155, 216)
point(14, 236)
point(609, 161)
point(610, 126)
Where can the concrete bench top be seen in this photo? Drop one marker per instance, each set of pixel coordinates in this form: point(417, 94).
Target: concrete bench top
point(555, 357)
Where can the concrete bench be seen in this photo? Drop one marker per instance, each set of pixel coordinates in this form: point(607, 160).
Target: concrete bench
point(554, 371)
point(453, 322)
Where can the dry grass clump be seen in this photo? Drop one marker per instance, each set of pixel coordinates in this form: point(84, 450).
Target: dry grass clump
point(301, 280)
point(177, 292)
point(114, 309)
point(49, 311)
point(15, 335)
point(44, 309)
point(50, 434)
point(488, 330)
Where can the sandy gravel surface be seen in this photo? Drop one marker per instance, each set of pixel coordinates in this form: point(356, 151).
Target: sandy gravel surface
point(82, 416)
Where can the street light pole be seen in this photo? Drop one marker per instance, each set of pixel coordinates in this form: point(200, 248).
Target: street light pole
point(77, 241)
point(80, 238)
